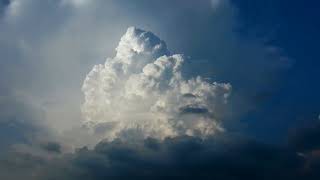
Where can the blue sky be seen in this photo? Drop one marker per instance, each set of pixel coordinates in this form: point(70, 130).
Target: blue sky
point(293, 26)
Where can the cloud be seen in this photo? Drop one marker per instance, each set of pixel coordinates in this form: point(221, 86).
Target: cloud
point(180, 157)
point(20, 122)
point(76, 3)
point(215, 3)
point(52, 147)
point(47, 48)
point(222, 156)
point(305, 139)
point(142, 92)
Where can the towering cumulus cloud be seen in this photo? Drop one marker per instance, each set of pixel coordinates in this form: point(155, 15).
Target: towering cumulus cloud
point(141, 93)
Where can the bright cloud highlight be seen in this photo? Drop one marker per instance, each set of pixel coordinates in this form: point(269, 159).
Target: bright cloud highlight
point(141, 93)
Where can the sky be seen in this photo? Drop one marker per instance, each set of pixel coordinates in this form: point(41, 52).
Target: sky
point(118, 89)
point(292, 26)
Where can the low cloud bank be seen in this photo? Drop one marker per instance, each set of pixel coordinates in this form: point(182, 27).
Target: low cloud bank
point(180, 157)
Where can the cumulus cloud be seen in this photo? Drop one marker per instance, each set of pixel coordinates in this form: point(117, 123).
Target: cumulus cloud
point(141, 93)
point(57, 42)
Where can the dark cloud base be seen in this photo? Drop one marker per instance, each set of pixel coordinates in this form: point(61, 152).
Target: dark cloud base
point(182, 158)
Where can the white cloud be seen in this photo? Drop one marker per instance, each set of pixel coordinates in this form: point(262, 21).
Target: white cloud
point(76, 3)
point(215, 3)
point(14, 8)
point(141, 93)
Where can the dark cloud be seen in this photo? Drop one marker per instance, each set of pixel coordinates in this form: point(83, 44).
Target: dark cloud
point(189, 95)
point(193, 110)
point(306, 139)
point(183, 157)
point(53, 147)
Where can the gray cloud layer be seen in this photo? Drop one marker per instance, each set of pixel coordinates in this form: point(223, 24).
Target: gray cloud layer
point(183, 157)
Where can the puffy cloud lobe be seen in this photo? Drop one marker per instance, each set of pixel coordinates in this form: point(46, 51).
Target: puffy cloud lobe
point(141, 93)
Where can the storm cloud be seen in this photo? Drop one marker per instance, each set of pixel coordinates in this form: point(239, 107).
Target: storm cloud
point(181, 157)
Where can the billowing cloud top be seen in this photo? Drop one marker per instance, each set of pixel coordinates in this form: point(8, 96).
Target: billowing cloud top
point(141, 93)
